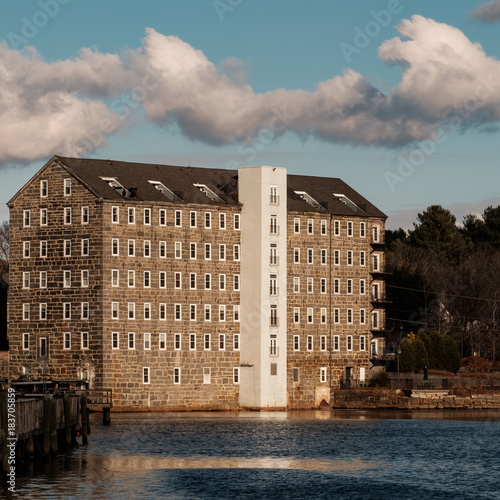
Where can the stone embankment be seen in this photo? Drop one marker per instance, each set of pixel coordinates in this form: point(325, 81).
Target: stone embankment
point(364, 400)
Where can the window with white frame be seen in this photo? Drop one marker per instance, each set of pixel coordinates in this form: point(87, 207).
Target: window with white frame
point(206, 375)
point(296, 284)
point(349, 286)
point(362, 316)
point(236, 222)
point(162, 311)
point(162, 216)
point(131, 310)
point(208, 281)
point(273, 254)
point(131, 340)
point(296, 255)
point(222, 281)
point(115, 215)
point(192, 250)
point(26, 218)
point(147, 279)
point(323, 227)
point(145, 375)
point(296, 225)
point(336, 257)
point(162, 279)
point(322, 374)
point(26, 279)
point(362, 229)
point(177, 376)
point(115, 277)
point(236, 252)
point(310, 285)
point(85, 215)
point(147, 216)
point(309, 342)
point(26, 311)
point(26, 341)
point(163, 249)
point(67, 279)
point(162, 341)
point(66, 310)
point(350, 231)
point(236, 342)
point(222, 312)
point(309, 255)
point(323, 256)
point(296, 342)
point(236, 375)
point(222, 252)
point(376, 233)
point(310, 315)
point(67, 215)
point(131, 278)
point(296, 314)
point(43, 311)
point(43, 248)
point(362, 343)
point(336, 228)
point(376, 262)
point(322, 343)
point(43, 188)
point(84, 340)
point(26, 249)
point(222, 220)
point(67, 341)
point(192, 219)
point(115, 340)
point(274, 225)
point(206, 342)
point(273, 198)
point(349, 342)
point(147, 248)
point(192, 281)
point(147, 311)
point(85, 310)
point(236, 282)
point(310, 226)
point(178, 280)
point(336, 343)
point(362, 287)
point(208, 251)
point(177, 341)
point(43, 217)
point(375, 320)
point(349, 316)
point(67, 248)
point(336, 286)
point(114, 310)
point(178, 312)
point(178, 218)
point(236, 312)
point(208, 220)
point(147, 341)
point(131, 248)
point(323, 285)
point(323, 315)
point(85, 247)
point(208, 312)
point(192, 341)
point(349, 257)
point(222, 342)
point(336, 315)
point(178, 250)
point(67, 187)
point(115, 246)
point(362, 258)
point(131, 215)
point(192, 312)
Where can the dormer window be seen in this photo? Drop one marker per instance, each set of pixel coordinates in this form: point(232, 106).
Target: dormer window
point(113, 183)
point(311, 201)
point(344, 199)
point(165, 191)
point(209, 193)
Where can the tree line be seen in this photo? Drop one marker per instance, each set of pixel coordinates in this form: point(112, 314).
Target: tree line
point(445, 278)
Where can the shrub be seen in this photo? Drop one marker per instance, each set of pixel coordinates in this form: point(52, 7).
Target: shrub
point(381, 379)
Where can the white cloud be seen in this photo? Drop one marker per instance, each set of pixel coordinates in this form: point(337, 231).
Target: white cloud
point(488, 12)
point(68, 107)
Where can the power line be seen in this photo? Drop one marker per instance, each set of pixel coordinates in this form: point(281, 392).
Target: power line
point(442, 293)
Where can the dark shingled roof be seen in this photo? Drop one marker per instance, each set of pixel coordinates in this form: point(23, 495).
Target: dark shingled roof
point(224, 183)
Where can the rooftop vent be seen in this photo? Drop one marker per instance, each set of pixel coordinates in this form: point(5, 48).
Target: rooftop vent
point(309, 199)
point(165, 191)
point(209, 193)
point(344, 199)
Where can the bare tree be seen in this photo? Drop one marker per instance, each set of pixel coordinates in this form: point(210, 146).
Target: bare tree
point(4, 247)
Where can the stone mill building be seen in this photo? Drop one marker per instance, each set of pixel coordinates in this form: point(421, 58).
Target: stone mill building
point(195, 288)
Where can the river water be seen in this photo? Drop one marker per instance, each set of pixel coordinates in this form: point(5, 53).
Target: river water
point(296, 455)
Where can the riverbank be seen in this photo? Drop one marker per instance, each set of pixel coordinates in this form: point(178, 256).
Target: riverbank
point(366, 399)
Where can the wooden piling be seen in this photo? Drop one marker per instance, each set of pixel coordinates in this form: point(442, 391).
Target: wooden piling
point(67, 420)
point(85, 418)
point(106, 416)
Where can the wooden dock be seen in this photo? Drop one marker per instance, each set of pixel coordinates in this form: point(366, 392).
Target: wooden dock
point(45, 424)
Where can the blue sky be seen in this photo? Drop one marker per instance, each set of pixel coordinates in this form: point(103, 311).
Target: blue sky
point(399, 98)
